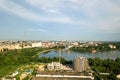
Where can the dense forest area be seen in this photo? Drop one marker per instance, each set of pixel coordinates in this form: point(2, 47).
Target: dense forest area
point(54, 59)
point(105, 66)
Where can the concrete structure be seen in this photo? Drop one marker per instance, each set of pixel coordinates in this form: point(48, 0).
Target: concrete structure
point(54, 66)
point(22, 76)
point(15, 73)
point(80, 64)
point(118, 76)
point(41, 67)
point(104, 74)
point(112, 46)
point(12, 75)
point(37, 44)
point(63, 76)
point(7, 78)
point(67, 76)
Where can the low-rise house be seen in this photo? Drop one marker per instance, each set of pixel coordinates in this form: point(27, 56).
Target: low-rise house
point(54, 66)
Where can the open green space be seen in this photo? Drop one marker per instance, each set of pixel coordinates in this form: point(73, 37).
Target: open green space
point(13, 59)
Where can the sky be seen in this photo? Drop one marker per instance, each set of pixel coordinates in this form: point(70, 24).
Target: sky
point(97, 20)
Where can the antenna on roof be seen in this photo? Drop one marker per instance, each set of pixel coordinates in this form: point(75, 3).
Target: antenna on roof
point(59, 56)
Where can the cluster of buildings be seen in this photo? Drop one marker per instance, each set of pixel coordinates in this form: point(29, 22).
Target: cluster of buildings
point(112, 46)
point(58, 71)
point(57, 66)
point(80, 64)
point(10, 45)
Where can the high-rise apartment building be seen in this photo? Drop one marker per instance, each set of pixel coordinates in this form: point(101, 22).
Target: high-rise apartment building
point(80, 64)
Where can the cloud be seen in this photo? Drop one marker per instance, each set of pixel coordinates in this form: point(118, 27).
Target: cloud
point(18, 10)
point(54, 11)
point(45, 5)
point(95, 9)
point(30, 15)
point(102, 15)
point(64, 5)
point(38, 29)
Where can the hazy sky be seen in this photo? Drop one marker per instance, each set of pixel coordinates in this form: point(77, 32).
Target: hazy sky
point(60, 19)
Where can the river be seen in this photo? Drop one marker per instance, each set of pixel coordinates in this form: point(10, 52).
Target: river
point(70, 55)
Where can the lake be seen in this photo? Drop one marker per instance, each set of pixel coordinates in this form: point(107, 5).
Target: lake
point(70, 55)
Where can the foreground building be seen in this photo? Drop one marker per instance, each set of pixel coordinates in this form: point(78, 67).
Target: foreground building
point(57, 66)
point(57, 75)
point(80, 64)
point(57, 71)
point(54, 66)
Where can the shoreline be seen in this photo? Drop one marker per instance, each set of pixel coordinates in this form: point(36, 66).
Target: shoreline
point(39, 52)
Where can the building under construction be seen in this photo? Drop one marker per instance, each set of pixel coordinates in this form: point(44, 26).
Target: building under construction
point(80, 64)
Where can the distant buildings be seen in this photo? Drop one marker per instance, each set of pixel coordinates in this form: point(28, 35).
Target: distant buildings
point(37, 44)
point(11, 45)
point(80, 64)
point(112, 46)
point(93, 51)
point(4, 46)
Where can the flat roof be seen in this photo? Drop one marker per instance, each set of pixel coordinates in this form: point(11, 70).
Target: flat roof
point(62, 76)
point(41, 78)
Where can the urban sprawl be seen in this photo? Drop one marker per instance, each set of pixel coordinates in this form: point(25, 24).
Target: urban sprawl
point(80, 68)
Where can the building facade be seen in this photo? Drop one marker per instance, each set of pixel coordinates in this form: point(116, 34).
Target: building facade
point(80, 64)
point(54, 66)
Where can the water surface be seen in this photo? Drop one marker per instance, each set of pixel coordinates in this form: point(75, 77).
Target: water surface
point(70, 55)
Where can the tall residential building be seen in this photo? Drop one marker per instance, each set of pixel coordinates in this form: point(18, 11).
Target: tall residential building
point(80, 64)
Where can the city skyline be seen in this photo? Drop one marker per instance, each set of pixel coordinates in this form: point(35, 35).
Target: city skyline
point(60, 20)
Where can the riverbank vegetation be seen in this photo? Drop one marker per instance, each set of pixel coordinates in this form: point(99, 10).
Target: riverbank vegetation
point(54, 59)
point(97, 48)
point(58, 47)
point(105, 66)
